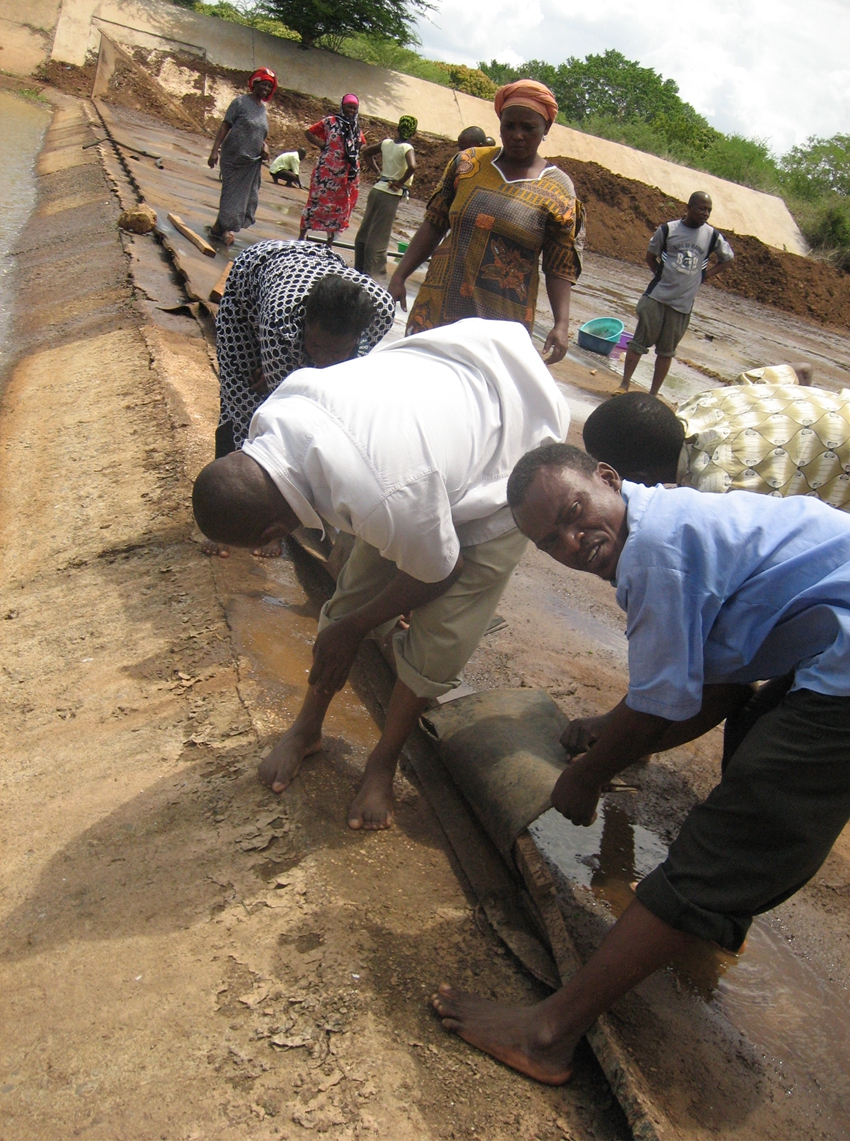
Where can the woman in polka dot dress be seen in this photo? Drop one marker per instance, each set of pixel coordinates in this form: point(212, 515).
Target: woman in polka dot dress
point(288, 305)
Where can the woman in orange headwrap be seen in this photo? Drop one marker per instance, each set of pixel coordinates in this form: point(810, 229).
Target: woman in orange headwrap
point(241, 145)
point(494, 211)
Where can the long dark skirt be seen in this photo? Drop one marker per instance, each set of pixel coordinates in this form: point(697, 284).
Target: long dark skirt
point(373, 237)
point(240, 193)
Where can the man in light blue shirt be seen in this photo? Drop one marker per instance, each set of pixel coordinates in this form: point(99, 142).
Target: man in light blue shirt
point(719, 592)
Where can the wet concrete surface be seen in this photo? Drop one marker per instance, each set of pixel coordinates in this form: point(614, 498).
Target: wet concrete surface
point(718, 1040)
point(719, 1001)
point(727, 333)
point(24, 125)
point(164, 917)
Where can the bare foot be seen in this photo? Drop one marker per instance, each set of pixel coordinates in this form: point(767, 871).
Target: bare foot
point(279, 768)
point(208, 547)
point(513, 1034)
point(226, 237)
point(271, 550)
point(373, 807)
point(620, 391)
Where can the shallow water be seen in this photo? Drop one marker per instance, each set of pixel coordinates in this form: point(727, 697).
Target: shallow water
point(276, 637)
point(24, 123)
point(798, 1022)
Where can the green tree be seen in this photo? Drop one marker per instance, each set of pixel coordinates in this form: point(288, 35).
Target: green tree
point(611, 96)
point(331, 21)
point(747, 161)
point(500, 73)
point(818, 166)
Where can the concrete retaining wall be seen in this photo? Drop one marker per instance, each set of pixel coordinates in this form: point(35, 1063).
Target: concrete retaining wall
point(156, 24)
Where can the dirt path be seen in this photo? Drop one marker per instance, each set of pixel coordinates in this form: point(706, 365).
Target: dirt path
point(182, 955)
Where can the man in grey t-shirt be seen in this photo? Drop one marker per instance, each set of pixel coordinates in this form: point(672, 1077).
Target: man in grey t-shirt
point(678, 256)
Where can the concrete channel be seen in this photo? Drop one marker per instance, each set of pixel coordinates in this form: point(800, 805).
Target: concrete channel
point(747, 1047)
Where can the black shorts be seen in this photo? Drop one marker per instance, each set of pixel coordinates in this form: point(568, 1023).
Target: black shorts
point(767, 827)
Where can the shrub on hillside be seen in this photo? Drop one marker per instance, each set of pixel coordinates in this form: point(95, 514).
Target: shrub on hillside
point(469, 79)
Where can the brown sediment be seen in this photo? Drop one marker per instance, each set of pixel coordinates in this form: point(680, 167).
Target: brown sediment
point(622, 215)
point(243, 955)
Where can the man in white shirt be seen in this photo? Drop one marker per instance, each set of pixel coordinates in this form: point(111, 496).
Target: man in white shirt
point(409, 450)
point(287, 167)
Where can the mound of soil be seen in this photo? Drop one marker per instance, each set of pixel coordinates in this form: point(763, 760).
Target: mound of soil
point(623, 214)
point(68, 77)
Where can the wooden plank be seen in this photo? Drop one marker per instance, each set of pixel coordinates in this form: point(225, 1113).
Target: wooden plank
point(648, 1122)
point(189, 233)
point(217, 291)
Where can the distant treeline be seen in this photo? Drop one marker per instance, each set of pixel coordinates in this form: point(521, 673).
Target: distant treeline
point(605, 95)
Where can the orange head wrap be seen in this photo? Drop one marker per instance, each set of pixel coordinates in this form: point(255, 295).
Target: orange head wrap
point(527, 93)
point(270, 77)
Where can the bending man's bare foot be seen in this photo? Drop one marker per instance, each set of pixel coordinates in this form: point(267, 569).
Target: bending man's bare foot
point(208, 547)
point(272, 550)
point(516, 1035)
point(373, 808)
point(279, 768)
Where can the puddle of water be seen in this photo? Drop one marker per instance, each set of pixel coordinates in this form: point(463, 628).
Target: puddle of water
point(606, 857)
point(585, 623)
point(276, 635)
point(24, 124)
point(580, 403)
point(795, 1019)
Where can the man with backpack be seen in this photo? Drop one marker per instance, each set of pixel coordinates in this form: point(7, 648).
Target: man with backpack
point(678, 255)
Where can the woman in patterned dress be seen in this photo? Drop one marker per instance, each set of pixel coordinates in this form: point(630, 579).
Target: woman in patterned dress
point(493, 213)
point(241, 146)
point(336, 178)
point(287, 305)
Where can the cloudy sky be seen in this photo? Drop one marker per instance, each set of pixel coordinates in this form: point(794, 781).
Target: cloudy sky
point(771, 69)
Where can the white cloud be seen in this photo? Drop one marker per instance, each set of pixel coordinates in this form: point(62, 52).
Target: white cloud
point(772, 69)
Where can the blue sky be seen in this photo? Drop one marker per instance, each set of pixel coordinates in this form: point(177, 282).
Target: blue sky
point(769, 69)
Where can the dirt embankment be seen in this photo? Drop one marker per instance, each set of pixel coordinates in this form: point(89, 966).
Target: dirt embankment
point(622, 214)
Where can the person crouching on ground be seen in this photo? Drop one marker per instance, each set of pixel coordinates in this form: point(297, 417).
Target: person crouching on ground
point(771, 438)
point(398, 162)
point(409, 450)
point(719, 592)
point(287, 305)
point(286, 168)
point(678, 255)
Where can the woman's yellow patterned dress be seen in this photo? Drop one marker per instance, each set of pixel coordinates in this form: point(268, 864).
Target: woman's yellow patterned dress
point(486, 266)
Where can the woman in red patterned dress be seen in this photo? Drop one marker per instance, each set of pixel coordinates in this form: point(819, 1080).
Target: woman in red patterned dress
point(336, 178)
